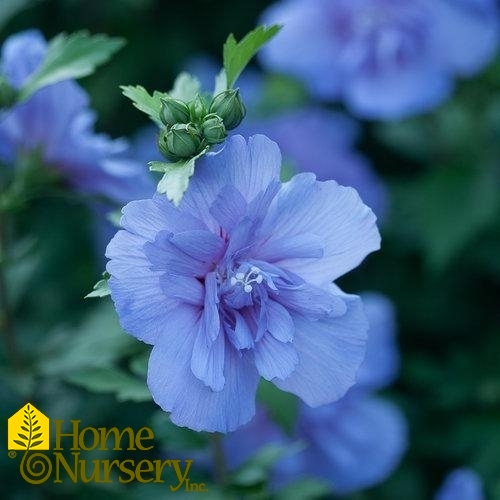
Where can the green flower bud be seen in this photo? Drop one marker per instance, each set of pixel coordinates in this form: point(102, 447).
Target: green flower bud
point(229, 106)
point(181, 140)
point(213, 129)
point(173, 111)
point(198, 109)
point(162, 143)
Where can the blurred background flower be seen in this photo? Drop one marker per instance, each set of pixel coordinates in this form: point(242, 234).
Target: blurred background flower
point(461, 483)
point(56, 123)
point(385, 59)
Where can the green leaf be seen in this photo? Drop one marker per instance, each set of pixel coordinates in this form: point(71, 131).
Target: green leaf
point(304, 489)
point(176, 438)
point(220, 82)
point(111, 380)
point(236, 55)
point(176, 176)
point(257, 468)
point(101, 288)
point(114, 217)
point(139, 364)
point(10, 8)
point(97, 342)
point(145, 102)
point(281, 405)
point(186, 87)
point(455, 204)
point(20, 443)
point(70, 56)
point(36, 443)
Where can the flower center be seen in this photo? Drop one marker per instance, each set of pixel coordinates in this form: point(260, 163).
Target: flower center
point(245, 280)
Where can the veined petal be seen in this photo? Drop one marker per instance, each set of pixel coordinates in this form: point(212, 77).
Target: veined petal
point(164, 256)
point(310, 301)
point(191, 403)
point(305, 246)
point(200, 244)
point(330, 352)
point(211, 319)
point(184, 253)
point(335, 214)
point(183, 288)
point(248, 166)
point(240, 335)
point(274, 359)
point(136, 290)
point(148, 217)
point(228, 208)
point(279, 322)
point(207, 360)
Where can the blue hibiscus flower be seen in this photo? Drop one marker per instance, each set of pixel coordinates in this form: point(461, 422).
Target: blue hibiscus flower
point(236, 283)
point(385, 59)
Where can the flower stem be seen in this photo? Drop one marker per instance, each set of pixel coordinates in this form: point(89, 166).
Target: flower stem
point(218, 459)
point(6, 322)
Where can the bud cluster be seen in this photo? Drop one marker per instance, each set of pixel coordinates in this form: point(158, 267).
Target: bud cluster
point(192, 126)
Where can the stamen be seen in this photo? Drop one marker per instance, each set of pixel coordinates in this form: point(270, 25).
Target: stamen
point(253, 275)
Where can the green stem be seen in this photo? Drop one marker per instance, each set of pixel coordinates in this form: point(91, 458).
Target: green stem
point(6, 322)
point(218, 459)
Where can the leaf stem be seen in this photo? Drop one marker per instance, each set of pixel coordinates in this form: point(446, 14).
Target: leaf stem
point(218, 459)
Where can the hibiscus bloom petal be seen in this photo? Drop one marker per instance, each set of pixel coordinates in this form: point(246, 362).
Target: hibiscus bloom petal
point(249, 167)
point(330, 352)
point(333, 213)
point(191, 403)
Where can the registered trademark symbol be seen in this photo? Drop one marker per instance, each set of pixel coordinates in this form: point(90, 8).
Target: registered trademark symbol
point(12, 454)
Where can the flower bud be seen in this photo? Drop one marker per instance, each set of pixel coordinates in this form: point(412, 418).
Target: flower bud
point(229, 106)
point(181, 140)
point(173, 111)
point(198, 109)
point(162, 144)
point(213, 129)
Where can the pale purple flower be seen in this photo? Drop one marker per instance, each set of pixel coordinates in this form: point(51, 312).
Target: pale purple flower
point(385, 59)
point(236, 283)
point(461, 484)
point(58, 123)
